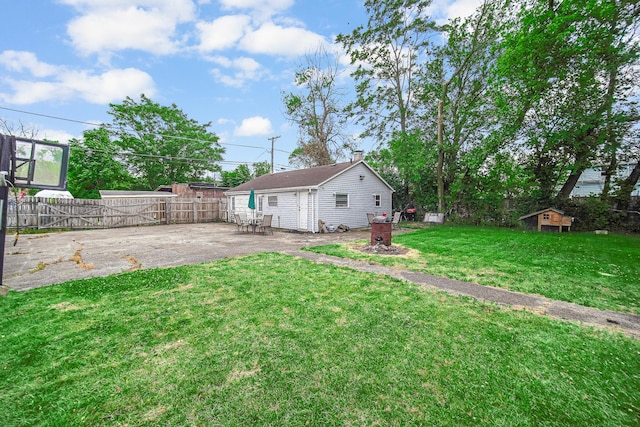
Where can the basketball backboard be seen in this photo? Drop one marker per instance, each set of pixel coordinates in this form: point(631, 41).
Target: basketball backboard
point(39, 164)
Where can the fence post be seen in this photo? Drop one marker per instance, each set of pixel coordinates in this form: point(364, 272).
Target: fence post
point(39, 215)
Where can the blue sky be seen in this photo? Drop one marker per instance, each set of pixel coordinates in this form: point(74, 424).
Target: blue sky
point(220, 61)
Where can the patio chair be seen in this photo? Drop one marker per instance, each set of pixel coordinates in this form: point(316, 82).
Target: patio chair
point(369, 219)
point(266, 224)
point(240, 224)
point(396, 219)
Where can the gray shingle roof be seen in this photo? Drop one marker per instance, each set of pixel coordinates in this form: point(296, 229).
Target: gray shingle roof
point(293, 179)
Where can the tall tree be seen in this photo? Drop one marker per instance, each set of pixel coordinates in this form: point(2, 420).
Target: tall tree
point(94, 165)
point(162, 144)
point(387, 54)
point(317, 111)
point(459, 79)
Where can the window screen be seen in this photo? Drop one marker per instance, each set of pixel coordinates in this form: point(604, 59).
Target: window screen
point(342, 200)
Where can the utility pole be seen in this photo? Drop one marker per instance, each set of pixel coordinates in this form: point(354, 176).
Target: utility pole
point(272, 139)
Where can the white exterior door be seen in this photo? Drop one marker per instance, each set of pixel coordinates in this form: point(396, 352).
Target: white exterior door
point(303, 210)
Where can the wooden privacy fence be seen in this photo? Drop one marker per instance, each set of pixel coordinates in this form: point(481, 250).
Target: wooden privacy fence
point(44, 213)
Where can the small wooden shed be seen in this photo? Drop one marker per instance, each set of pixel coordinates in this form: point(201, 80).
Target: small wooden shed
point(549, 219)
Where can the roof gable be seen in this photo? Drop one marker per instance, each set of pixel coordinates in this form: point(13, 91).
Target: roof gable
point(542, 211)
point(310, 177)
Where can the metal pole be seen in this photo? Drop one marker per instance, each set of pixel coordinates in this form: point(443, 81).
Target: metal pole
point(5, 169)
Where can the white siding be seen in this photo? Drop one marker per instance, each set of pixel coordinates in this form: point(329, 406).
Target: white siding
point(282, 214)
point(592, 181)
point(321, 202)
point(361, 200)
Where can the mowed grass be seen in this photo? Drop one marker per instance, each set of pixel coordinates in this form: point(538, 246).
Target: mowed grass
point(601, 271)
point(273, 340)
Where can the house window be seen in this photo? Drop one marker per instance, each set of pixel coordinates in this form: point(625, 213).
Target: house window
point(260, 200)
point(377, 200)
point(342, 200)
point(546, 216)
point(233, 204)
point(273, 201)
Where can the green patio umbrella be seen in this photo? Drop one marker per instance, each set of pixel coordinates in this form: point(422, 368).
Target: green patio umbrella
point(252, 203)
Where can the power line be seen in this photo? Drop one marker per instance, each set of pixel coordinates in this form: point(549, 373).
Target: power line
point(160, 157)
point(108, 126)
point(52, 117)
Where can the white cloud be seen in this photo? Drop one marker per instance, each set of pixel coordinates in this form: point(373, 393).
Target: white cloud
point(62, 84)
point(260, 8)
point(149, 25)
point(444, 10)
point(256, 4)
point(112, 85)
point(242, 70)
point(20, 61)
point(272, 39)
point(222, 33)
point(254, 126)
point(61, 136)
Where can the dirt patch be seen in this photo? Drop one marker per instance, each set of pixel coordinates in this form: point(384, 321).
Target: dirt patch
point(380, 249)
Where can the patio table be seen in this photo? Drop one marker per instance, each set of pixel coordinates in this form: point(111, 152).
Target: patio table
point(255, 222)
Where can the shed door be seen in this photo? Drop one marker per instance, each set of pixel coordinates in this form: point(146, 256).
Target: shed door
point(303, 210)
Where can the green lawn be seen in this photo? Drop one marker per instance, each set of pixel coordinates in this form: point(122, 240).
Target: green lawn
point(601, 271)
point(275, 340)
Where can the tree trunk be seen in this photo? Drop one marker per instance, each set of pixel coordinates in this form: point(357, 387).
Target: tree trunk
point(440, 166)
point(570, 184)
point(626, 188)
point(607, 173)
point(579, 166)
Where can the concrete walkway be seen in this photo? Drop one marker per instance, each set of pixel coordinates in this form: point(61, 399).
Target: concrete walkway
point(46, 259)
point(623, 322)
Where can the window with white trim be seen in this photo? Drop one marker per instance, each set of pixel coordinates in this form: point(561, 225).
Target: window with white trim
point(342, 200)
point(272, 201)
point(377, 199)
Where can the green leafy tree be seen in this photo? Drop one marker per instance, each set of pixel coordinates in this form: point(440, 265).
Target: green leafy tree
point(388, 54)
point(261, 168)
point(567, 74)
point(459, 79)
point(94, 165)
point(162, 144)
point(238, 176)
point(317, 111)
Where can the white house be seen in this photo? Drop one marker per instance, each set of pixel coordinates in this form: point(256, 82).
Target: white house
point(341, 193)
point(591, 182)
